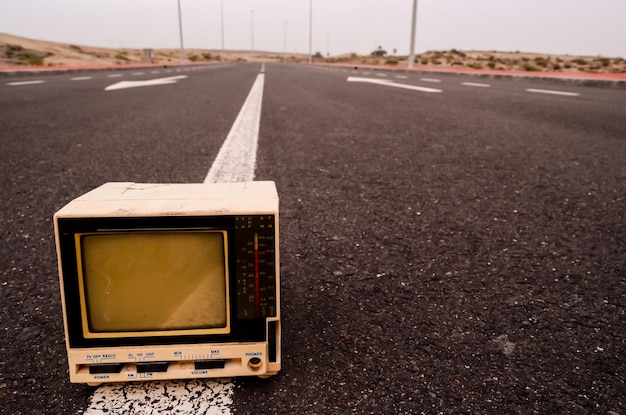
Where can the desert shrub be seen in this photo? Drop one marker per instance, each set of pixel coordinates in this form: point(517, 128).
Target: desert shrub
point(540, 61)
point(491, 64)
point(194, 58)
point(379, 52)
point(391, 61)
point(580, 61)
point(10, 50)
point(121, 57)
point(77, 48)
point(475, 65)
point(557, 67)
point(435, 61)
point(567, 65)
point(457, 63)
point(34, 59)
point(424, 61)
point(530, 68)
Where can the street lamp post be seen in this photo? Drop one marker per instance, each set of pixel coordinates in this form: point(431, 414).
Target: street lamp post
point(252, 28)
point(180, 29)
point(310, 31)
point(222, 17)
point(413, 25)
point(285, 38)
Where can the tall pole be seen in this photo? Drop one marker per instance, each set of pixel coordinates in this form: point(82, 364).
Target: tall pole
point(180, 29)
point(285, 38)
point(328, 44)
point(310, 31)
point(252, 27)
point(413, 25)
point(222, 13)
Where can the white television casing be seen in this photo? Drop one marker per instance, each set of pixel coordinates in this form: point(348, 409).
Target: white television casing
point(247, 342)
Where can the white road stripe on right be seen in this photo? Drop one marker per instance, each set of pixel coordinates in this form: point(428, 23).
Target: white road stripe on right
point(387, 82)
point(551, 92)
point(476, 84)
point(430, 80)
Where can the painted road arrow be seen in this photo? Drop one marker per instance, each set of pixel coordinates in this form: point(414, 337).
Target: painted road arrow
point(387, 82)
point(149, 82)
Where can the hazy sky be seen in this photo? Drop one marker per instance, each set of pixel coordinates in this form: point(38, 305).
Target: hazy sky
point(588, 27)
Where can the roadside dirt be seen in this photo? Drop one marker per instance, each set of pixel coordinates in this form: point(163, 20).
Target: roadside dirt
point(19, 51)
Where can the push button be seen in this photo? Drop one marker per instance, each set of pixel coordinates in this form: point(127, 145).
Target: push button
point(101, 368)
point(145, 367)
point(209, 364)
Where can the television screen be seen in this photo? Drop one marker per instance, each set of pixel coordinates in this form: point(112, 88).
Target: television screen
point(162, 282)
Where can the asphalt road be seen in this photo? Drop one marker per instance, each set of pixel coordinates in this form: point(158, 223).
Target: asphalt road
point(460, 251)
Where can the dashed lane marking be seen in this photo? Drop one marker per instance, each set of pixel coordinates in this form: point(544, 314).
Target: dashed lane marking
point(551, 92)
point(476, 84)
point(430, 80)
point(25, 83)
point(387, 82)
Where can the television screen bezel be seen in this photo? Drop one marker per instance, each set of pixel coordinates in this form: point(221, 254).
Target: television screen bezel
point(241, 330)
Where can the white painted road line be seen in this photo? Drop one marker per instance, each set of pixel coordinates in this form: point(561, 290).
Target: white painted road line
point(192, 397)
point(115, 75)
point(381, 74)
point(25, 83)
point(149, 82)
point(402, 77)
point(137, 73)
point(387, 82)
point(476, 84)
point(547, 91)
point(236, 160)
point(430, 80)
point(81, 78)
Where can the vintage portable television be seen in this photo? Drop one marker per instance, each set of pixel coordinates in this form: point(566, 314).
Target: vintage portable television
point(170, 281)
